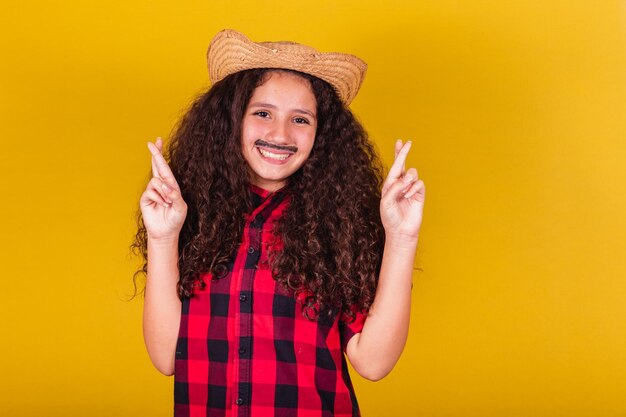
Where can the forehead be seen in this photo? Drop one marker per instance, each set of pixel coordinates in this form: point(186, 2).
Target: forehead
point(285, 85)
point(279, 73)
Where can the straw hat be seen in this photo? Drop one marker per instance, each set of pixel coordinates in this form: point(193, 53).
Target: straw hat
point(230, 52)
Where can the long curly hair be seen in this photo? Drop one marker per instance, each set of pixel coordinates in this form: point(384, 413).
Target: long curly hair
point(331, 230)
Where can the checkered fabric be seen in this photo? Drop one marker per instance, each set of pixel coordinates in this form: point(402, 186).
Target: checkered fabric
point(246, 349)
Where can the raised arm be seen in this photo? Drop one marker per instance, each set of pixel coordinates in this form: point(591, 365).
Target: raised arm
point(375, 351)
point(163, 211)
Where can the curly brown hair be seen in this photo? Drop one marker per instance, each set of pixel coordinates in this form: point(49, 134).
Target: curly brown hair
point(332, 233)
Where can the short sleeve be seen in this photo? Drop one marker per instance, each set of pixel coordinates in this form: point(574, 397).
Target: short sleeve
point(349, 325)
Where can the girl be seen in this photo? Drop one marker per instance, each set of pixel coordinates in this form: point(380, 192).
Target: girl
point(272, 246)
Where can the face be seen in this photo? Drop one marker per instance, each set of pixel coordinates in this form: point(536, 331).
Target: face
point(278, 129)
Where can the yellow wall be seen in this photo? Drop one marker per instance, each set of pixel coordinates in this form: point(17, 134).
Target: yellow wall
point(517, 112)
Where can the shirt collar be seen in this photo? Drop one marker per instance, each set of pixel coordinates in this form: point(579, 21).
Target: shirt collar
point(260, 195)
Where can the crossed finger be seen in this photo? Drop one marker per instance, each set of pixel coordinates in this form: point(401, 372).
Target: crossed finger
point(159, 145)
point(398, 167)
point(396, 172)
point(398, 147)
point(160, 168)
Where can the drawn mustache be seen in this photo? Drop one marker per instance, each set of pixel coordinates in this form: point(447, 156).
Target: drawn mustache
point(261, 142)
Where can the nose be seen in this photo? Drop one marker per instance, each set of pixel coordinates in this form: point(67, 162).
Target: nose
point(278, 133)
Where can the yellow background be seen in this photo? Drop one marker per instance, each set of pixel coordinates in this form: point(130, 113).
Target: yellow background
point(517, 113)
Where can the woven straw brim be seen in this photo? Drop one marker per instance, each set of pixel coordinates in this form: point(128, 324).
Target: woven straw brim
point(231, 51)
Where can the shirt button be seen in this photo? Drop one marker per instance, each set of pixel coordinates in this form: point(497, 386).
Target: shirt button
point(251, 249)
point(239, 401)
point(220, 271)
point(242, 298)
point(242, 351)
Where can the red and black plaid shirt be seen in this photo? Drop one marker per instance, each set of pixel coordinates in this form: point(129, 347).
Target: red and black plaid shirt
point(246, 349)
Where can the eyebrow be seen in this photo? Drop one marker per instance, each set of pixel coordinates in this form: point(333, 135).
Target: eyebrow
point(271, 106)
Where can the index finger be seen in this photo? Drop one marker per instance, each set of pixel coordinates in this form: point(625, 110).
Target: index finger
point(160, 167)
point(397, 147)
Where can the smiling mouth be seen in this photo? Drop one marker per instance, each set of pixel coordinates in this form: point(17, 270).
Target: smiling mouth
point(273, 151)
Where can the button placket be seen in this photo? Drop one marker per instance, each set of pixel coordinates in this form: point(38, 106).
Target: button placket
point(252, 255)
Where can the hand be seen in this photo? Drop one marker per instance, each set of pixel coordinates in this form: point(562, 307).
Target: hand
point(162, 205)
point(402, 198)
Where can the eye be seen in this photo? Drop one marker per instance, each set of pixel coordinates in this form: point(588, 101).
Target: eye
point(261, 113)
point(301, 120)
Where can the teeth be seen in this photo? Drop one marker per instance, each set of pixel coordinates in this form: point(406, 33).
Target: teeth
point(279, 157)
